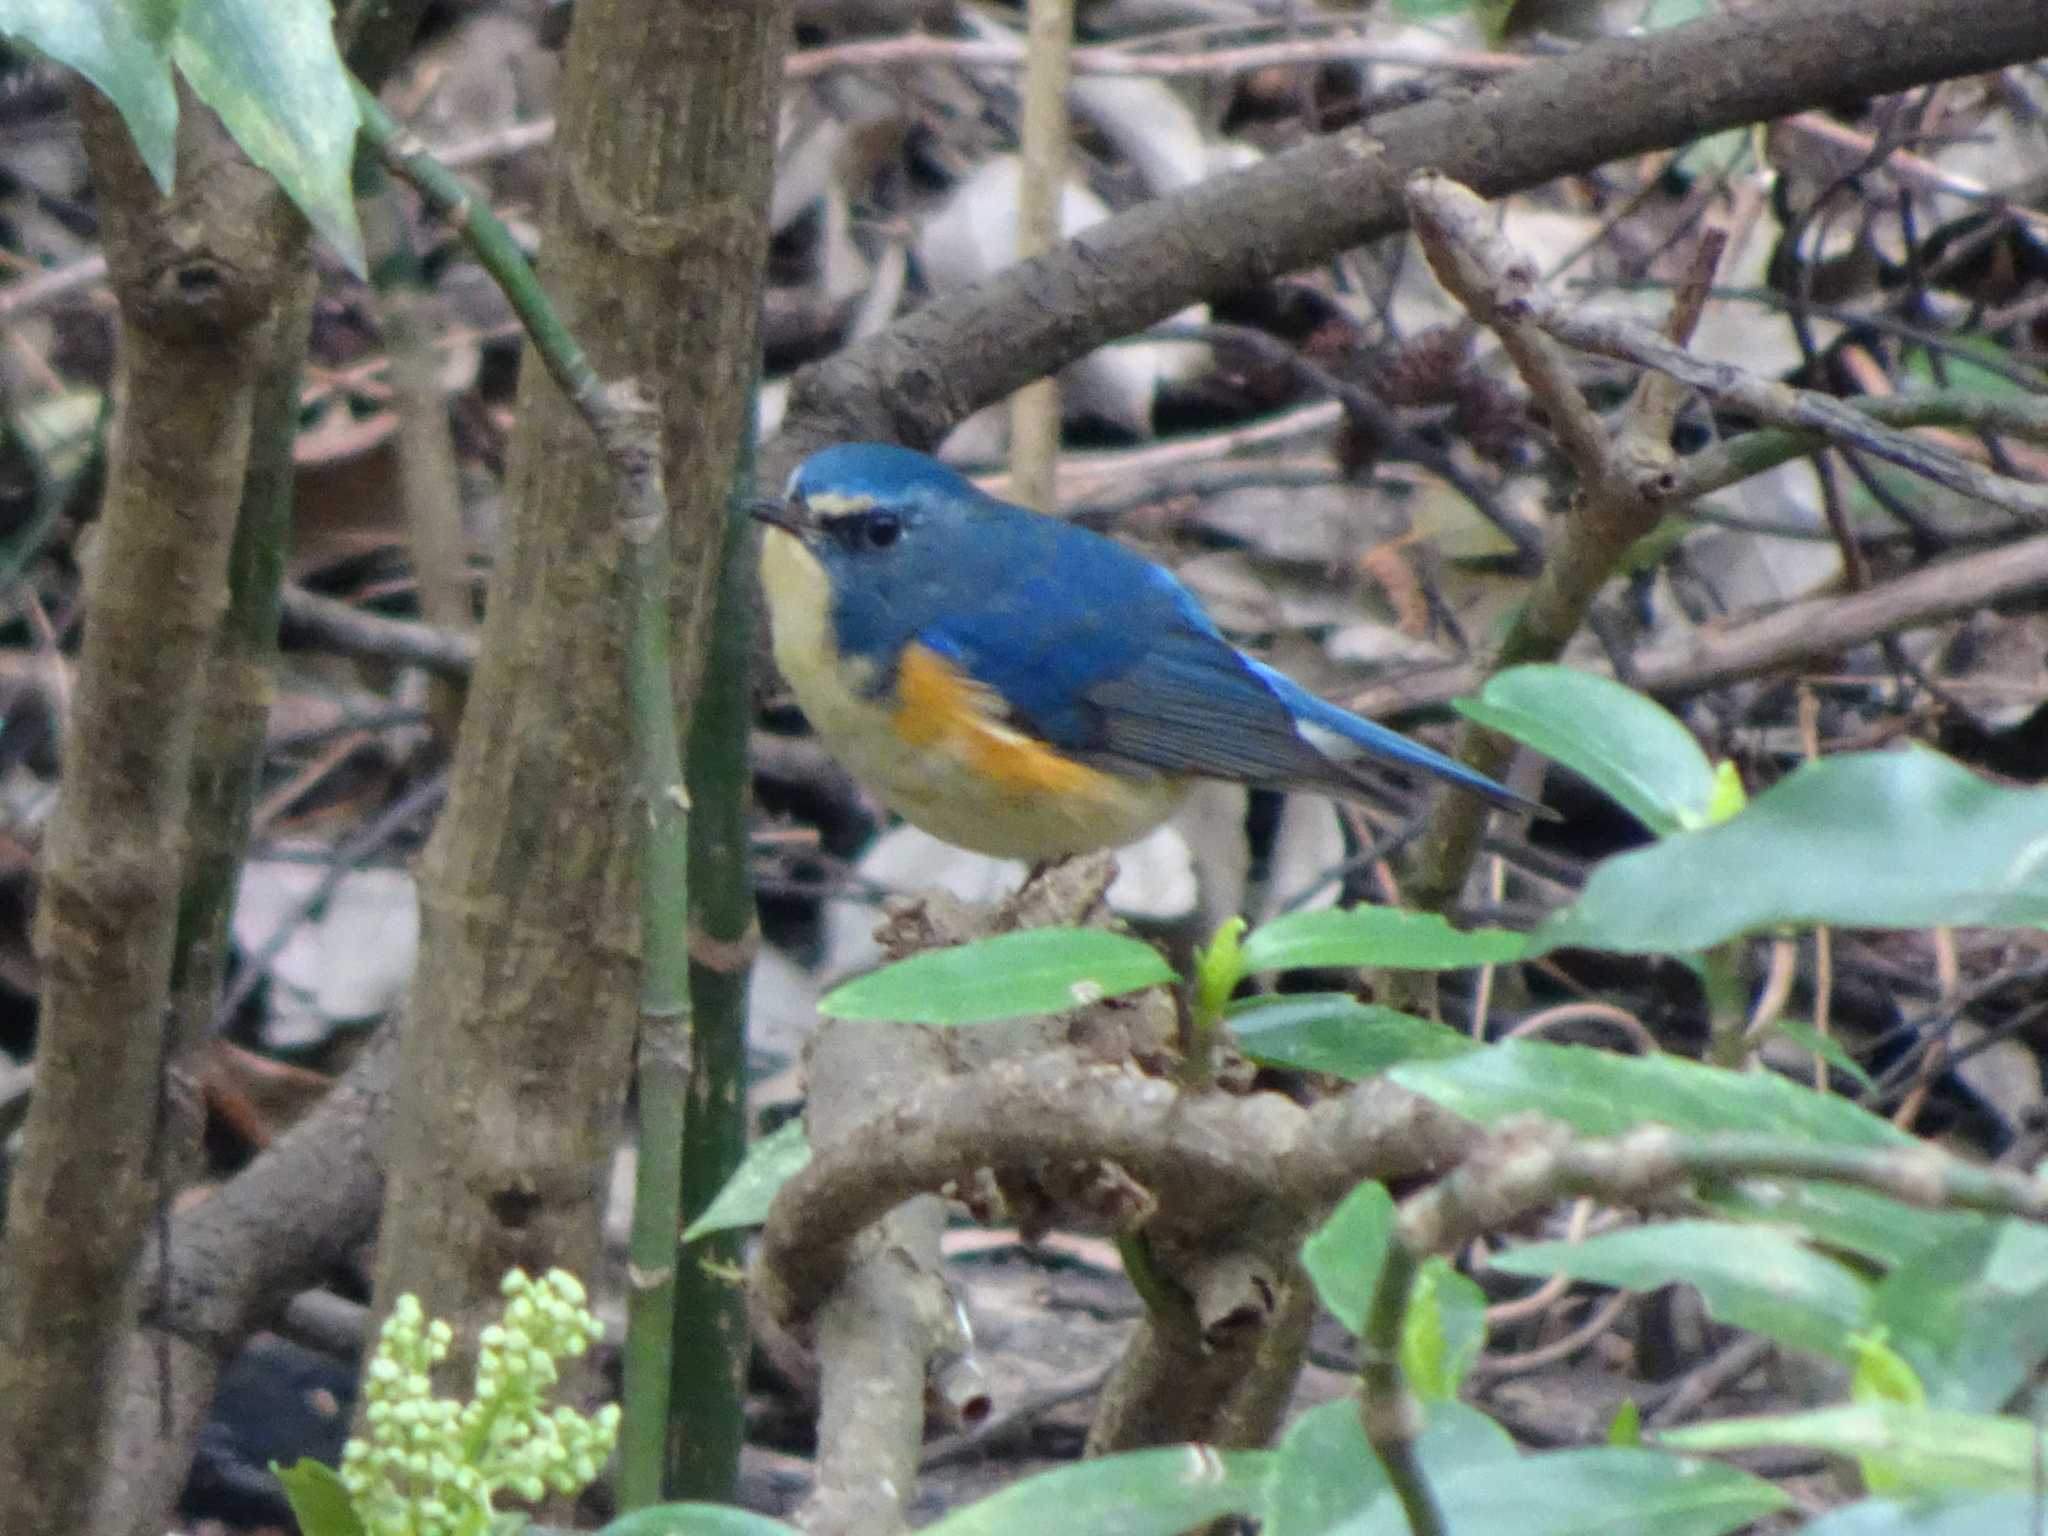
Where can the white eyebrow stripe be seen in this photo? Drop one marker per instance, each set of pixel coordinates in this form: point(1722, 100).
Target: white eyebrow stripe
point(834, 504)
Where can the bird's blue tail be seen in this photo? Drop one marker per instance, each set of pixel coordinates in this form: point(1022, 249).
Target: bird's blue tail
point(1366, 739)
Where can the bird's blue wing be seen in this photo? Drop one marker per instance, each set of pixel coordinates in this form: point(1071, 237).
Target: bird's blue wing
point(1110, 659)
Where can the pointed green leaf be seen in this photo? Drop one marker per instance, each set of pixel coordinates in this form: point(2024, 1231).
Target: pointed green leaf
point(1626, 1427)
point(271, 70)
point(1040, 970)
point(1324, 1471)
point(1603, 1094)
point(695, 1520)
point(1140, 1493)
point(1926, 1448)
point(1882, 1374)
point(1375, 936)
point(1343, 1255)
point(1759, 1278)
point(1991, 1514)
point(1334, 1033)
point(1622, 742)
point(1905, 839)
point(1219, 968)
point(318, 1499)
point(1801, 1033)
point(1599, 1492)
point(122, 50)
point(1971, 1315)
point(1443, 1332)
point(769, 1164)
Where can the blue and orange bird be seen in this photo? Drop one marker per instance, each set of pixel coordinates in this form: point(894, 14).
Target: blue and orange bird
point(1022, 687)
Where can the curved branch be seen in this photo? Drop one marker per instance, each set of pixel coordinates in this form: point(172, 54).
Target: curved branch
point(1716, 655)
point(916, 379)
point(279, 1226)
point(1212, 1157)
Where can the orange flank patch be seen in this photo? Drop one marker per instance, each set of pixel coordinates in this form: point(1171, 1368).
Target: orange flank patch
point(940, 706)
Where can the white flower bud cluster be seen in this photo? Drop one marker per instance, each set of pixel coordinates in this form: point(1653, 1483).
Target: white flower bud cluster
point(431, 1465)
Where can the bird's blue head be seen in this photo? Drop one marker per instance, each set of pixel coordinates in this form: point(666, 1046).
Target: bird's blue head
point(851, 476)
point(882, 538)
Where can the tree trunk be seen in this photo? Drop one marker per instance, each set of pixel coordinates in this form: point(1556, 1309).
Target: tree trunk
point(198, 278)
point(513, 1066)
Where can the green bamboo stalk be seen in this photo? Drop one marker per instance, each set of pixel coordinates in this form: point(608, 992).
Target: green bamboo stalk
point(706, 1410)
point(627, 429)
point(663, 1071)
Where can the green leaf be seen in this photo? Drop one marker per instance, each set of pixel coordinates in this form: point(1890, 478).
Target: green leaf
point(120, 48)
point(1603, 1094)
point(695, 1520)
point(1334, 1033)
point(1219, 968)
point(1040, 970)
point(1140, 1493)
point(159, 18)
point(1882, 1374)
point(1443, 1332)
point(1927, 1448)
point(1598, 1492)
point(318, 1500)
point(1343, 1255)
point(1801, 1033)
point(1759, 1278)
point(1626, 1427)
point(1375, 936)
point(1325, 1471)
point(1622, 742)
point(271, 70)
point(1729, 795)
point(1971, 1315)
point(1905, 839)
point(1994, 1514)
point(769, 1164)
point(1973, 365)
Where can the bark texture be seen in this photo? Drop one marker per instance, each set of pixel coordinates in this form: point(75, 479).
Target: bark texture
point(197, 276)
point(655, 235)
point(281, 1225)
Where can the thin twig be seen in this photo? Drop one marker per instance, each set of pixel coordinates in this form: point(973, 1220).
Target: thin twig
point(917, 51)
point(1041, 193)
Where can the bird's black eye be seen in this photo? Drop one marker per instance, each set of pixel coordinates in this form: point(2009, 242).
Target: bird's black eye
point(878, 530)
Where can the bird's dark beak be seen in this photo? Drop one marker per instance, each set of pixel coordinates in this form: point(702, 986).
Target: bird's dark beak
point(790, 516)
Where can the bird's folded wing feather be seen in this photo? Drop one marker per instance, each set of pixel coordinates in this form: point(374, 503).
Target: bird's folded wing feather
point(1117, 665)
point(1144, 682)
